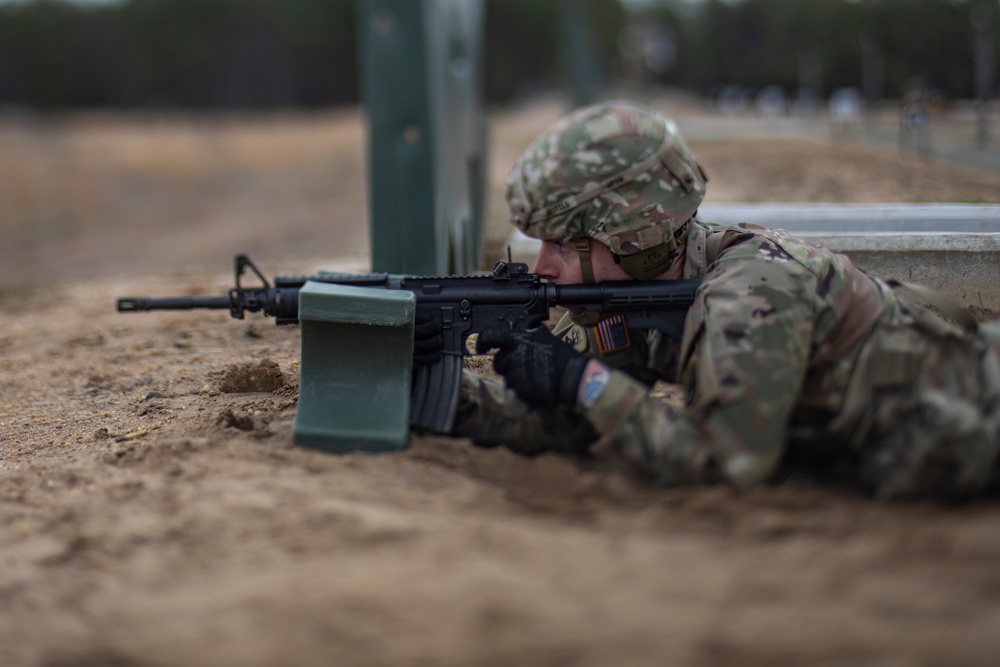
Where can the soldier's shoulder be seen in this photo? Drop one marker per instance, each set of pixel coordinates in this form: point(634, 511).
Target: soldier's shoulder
point(775, 245)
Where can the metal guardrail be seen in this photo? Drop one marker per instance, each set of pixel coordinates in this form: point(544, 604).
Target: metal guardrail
point(860, 218)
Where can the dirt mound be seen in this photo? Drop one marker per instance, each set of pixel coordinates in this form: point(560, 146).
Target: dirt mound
point(265, 375)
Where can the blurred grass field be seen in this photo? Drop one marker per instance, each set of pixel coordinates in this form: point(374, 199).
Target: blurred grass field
point(89, 195)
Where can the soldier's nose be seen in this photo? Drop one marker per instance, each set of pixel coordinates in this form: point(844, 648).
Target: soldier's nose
point(543, 263)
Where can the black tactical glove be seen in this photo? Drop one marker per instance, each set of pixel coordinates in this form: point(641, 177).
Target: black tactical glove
point(428, 341)
point(543, 370)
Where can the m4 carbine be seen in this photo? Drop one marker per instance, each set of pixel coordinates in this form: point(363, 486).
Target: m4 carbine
point(510, 297)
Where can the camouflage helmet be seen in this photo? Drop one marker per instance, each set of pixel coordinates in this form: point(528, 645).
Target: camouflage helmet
point(615, 172)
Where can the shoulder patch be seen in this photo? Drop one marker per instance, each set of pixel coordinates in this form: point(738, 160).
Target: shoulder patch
point(577, 337)
point(612, 334)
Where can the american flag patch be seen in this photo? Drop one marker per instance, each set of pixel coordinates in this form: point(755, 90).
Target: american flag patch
point(612, 335)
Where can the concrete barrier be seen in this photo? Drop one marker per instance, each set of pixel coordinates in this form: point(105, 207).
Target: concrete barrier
point(954, 248)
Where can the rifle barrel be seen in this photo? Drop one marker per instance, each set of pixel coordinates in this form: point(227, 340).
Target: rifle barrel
point(142, 304)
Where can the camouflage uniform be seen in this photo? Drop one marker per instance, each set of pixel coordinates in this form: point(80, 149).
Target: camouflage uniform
point(790, 353)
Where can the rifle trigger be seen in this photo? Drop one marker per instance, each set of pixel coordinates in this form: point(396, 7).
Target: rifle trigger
point(447, 317)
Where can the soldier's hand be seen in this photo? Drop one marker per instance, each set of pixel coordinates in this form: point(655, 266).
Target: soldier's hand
point(543, 370)
point(428, 340)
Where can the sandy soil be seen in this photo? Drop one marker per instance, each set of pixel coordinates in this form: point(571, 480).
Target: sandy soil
point(153, 511)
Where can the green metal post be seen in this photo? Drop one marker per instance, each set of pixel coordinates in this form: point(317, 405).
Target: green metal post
point(426, 136)
point(581, 63)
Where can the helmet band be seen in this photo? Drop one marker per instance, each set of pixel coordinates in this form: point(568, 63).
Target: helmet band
point(586, 265)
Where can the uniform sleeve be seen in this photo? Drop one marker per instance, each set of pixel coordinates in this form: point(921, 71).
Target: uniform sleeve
point(492, 414)
point(744, 358)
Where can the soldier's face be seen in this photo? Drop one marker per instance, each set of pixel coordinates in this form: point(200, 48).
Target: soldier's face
point(560, 262)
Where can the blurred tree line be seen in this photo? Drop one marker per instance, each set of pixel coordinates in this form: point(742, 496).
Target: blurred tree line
point(185, 53)
point(279, 53)
point(827, 44)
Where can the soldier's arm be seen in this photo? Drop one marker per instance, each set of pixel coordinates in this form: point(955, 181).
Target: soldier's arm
point(744, 359)
point(492, 414)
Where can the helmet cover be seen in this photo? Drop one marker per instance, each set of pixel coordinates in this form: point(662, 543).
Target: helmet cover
point(616, 172)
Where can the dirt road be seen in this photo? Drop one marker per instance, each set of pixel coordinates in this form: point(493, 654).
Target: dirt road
point(151, 515)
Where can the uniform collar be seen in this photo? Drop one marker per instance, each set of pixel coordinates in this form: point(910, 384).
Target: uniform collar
point(693, 247)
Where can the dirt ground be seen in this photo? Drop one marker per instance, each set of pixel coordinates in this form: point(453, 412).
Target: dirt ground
point(153, 511)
